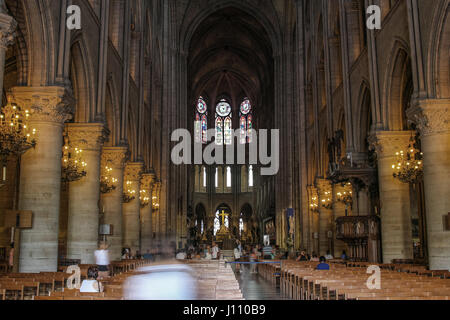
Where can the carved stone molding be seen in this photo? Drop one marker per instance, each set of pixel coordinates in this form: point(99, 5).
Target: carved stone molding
point(387, 143)
point(147, 180)
point(8, 28)
point(431, 116)
point(87, 136)
point(114, 157)
point(133, 171)
point(46, 104)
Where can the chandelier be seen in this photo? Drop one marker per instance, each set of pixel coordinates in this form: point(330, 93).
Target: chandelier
point(16, 135)
point(130, 194)
point(155, 203)
point(327, 202)
point(145, 200)
point(409, 165)
point(107, 182)
point(346, 196)
point(73, 166)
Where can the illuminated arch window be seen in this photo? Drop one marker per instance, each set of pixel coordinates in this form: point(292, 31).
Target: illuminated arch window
point(250, 176)
point(201, 121)
point(224, 126)
point(228, 177)
point(246, 121)
point(204, 177)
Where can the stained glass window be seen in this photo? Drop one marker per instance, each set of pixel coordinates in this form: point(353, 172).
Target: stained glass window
point(224, 124)
point(201, 121)
point(246, 121)
point(250, 176)
point(204, 177)
point(228, 177)
point(217, 177)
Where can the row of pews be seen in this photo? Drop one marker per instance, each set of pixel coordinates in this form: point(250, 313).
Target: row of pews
point(53, 285)
point(215, 281)
point(348, 281)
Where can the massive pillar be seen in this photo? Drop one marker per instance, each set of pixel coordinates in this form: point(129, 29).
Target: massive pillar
point(84, 194)
point(325, 215)
point(433, 119)
point(114, 158)
point(394, 197)
point(131, 209)
point(340, 209)
point(146, 212)
point(40, 175)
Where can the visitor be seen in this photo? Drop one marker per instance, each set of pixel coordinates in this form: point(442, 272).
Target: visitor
point(323, 265)
point(302, 257)
point(314, 258)
point(237, 258)
point(344, 255)
point(138, 255)
point(102, 260)
point(267, 252)
point(148, 255)
point(208, 255)
point(253, 259)
point(11, 258)
point(329, 256)
point(91, 284)
point(181, 255)
point(215, 251)
point(125, 254)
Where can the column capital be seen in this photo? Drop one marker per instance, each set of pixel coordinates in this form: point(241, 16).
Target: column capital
point(88, 136)
point(133, 171)
point(7, 30)
point(147, 180)
point(432, 116)
point(47, 104)
point(387, 143)
point(114, 157)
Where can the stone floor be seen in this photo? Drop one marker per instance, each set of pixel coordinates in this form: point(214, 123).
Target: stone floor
point(254, 287)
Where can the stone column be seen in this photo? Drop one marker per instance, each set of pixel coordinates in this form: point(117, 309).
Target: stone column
point(7, 27)
point(324, 188)
point(394, 197)
point(114, 158)
point(339, 210)
point(433, 119)
point(131, 210)
point(40, 174)
point(84, 194)
point(146, 213)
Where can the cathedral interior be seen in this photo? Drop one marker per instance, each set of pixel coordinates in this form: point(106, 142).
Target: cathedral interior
point(363, 117)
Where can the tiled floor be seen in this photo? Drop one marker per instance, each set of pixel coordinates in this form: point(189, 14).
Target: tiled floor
point(254, 287)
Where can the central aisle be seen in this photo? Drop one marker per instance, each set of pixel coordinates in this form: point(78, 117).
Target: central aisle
point(254, 287)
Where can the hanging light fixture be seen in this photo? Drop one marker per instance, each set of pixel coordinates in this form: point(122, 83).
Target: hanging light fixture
point(73, 165)
point(129, 194)
point(346, 195)
point(144, 198)
point(327, 202)
point(409, 165)
point(107, 182)
point(16, 134)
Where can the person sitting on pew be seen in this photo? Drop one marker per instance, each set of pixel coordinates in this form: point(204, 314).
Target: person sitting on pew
point(323, 265)
point(329, 256)
point(302, 256)
point(91, 284)
point(344, 255)
point(314, 258)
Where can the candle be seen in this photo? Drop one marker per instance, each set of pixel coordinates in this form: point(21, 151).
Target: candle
point(4, 173)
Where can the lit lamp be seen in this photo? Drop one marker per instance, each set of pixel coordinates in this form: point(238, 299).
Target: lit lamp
point(314, 204)
point(327, 202)
point(73, 165)
point(16, 134)
point(145, 200)
point(107, 182)
point(346, 196)
point(130, 194)
point(409, 165)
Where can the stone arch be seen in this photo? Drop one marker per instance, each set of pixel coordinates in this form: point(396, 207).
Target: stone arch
point(395, 79)
point(363, 116)
point(81, 74)
point(112, 112)
point(439, 53)
point(189, 27)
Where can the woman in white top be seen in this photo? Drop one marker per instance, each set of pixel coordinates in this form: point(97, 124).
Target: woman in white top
point(91, 284)
point(237, 258)
point(102, 260)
